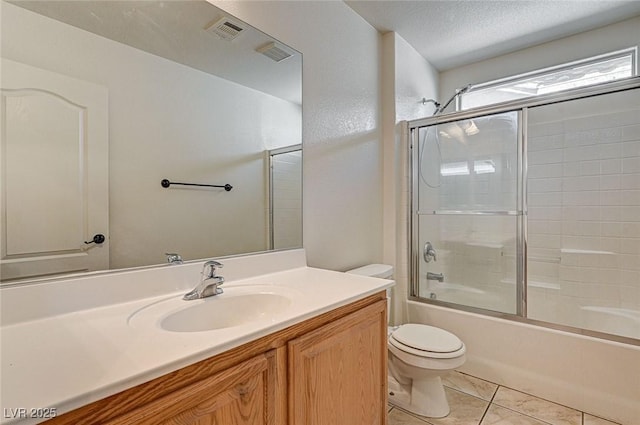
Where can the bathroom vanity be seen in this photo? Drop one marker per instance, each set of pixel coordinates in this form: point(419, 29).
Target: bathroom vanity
point(309, 372)
point(318, 359)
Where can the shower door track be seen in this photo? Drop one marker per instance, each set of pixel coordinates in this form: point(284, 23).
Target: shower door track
point(521, 107)
point(515, 105)
point(470, 212)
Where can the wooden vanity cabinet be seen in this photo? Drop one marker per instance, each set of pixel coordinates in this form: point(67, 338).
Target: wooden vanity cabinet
point(338, 373)
point(244, 394)
point(328, 370)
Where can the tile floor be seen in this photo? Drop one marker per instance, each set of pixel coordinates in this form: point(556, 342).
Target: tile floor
point(474, 401)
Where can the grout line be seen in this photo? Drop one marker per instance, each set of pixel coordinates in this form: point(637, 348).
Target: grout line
point(467, 394)
point(485, 413)
point(414, 415)
point(523, 414)
point(493, 396)
point(476, 397)
point(540, 398)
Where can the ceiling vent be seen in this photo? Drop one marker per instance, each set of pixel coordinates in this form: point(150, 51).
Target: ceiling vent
point(274, 52)
point(225, 28)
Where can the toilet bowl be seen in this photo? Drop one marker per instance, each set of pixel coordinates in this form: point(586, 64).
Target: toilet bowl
point(418, 355)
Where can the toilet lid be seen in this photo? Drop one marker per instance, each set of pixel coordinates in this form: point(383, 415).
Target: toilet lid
point(427, 338)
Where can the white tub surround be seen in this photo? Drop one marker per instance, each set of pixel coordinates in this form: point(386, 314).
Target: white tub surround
point(68, 343)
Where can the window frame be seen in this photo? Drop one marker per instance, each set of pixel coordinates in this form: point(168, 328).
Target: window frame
point(630, 51)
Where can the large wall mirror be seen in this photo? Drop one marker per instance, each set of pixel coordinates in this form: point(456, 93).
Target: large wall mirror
point(102, 101)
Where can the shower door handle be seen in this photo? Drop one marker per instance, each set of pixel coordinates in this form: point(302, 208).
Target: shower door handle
point(429, 253)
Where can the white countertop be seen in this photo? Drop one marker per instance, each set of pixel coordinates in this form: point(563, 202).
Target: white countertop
point(70, 360)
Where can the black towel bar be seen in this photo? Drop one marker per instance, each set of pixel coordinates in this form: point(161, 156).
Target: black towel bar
point(166, 183)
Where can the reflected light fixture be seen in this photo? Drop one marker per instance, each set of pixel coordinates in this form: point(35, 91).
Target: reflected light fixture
point(469, 127)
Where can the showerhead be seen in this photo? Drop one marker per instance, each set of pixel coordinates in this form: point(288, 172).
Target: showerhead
point(458, 92)
point(435, 102)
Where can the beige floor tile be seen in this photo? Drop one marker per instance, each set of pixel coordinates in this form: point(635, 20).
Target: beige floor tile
point(544, 410)
point(470, 385)
point(399, 417)
point(497, 415)
point(389, 407)
point(465, 410)
point(593, 420)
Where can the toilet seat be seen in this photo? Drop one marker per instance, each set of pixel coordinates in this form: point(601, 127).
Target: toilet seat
point(426, 341)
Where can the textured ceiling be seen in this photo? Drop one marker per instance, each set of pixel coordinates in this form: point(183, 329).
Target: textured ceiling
point(453, 33)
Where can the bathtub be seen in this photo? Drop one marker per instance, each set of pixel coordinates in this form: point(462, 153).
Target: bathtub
point(613, 320)
point(597, 376)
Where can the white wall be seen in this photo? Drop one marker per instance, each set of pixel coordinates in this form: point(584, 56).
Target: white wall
point(590, 43)
point(341, 124)
point(169, 121)
point(415, 79)
point(407, 78)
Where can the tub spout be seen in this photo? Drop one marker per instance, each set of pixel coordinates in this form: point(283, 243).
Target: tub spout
point(435, 276)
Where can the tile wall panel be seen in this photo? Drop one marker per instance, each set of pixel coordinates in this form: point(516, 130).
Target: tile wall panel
point(584, 209)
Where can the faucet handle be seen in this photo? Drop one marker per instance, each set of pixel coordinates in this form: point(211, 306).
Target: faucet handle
point(209, 268)
point(429, 253)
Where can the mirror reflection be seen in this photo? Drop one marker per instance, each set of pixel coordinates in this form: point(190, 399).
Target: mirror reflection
point(103, 100)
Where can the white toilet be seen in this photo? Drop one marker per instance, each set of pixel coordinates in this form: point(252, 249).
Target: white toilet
point(418, 356)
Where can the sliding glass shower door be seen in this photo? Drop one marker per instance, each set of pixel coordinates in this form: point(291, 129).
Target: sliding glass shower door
point(531, 211)
point(469, 211)
point(584, 213)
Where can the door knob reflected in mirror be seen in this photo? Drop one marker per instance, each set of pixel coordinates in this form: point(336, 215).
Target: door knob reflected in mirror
point(429, 253)
point(97, 239)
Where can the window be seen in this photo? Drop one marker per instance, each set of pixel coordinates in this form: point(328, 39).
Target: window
point(600, 69)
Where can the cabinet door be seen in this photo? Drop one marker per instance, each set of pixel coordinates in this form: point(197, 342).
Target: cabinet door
point(338, 373)
point(249, 393)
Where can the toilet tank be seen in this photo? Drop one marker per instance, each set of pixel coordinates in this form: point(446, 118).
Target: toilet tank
point(382, 271)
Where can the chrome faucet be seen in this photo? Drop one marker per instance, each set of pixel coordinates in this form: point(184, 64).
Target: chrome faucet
point(435, 276)
point(173, 258)
point(209, 284)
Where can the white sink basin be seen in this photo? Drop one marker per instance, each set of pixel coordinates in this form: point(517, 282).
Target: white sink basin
point(237, 306)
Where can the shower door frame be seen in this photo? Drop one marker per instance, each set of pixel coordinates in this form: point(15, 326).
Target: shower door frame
point(270, 154)
point(521, 107)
